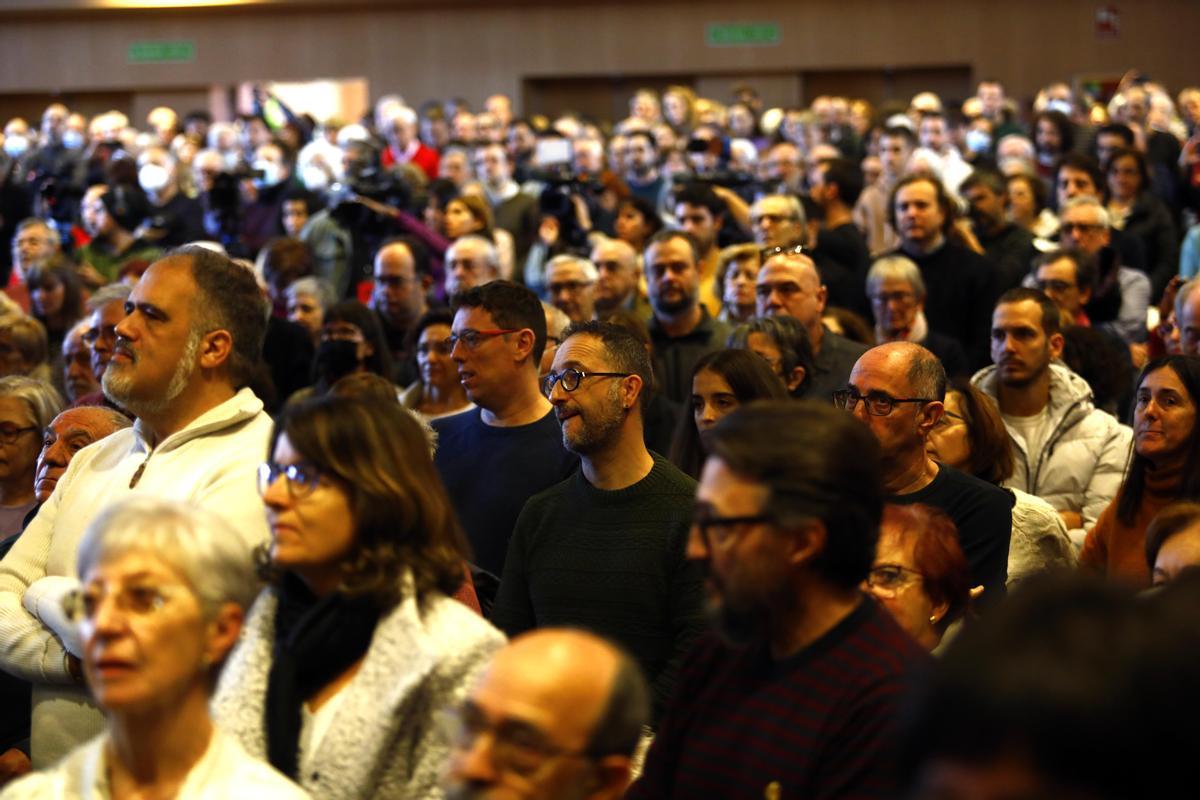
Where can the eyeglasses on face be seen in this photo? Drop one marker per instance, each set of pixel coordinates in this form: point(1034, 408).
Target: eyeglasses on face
point(771, 252)
point(718, 531)
point(889, 579)
point(472, 338)
point(570, 378)
point(517, 746)
point(772, 219)
point(10, 433)
point(899, 298)
point(301, 479)
point(135, 600)
point(878, 404)
point(1080, 227)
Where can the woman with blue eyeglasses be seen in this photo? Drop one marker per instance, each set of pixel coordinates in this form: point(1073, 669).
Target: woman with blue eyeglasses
point(355, 645)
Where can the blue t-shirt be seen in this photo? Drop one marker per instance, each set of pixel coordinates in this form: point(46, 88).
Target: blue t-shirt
point(491, 471)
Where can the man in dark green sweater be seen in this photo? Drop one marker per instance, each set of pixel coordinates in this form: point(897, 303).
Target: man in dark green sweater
point(604, 550)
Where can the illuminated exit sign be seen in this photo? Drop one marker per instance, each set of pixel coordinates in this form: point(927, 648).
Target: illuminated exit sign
point(181, 51)
point(742, 34)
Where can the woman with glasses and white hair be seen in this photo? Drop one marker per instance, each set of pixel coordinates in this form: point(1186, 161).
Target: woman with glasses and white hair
point(163, 590)
point(355, 647)
point(26, 407)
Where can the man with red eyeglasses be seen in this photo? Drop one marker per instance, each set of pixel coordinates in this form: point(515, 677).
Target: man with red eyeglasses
point(495, 457)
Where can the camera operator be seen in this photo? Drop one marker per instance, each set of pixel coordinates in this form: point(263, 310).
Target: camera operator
point(262, 210)
point(55, 173)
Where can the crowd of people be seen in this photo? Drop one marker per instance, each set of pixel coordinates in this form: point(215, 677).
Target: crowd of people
point(717, 451)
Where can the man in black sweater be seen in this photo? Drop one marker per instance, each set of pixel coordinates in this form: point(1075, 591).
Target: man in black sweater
point(604, 550)
point(959, 282)
point(495, 457)
point(897, 389)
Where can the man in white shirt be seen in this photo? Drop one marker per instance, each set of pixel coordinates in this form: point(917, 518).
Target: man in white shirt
point(191, 336)
point(1067, 451)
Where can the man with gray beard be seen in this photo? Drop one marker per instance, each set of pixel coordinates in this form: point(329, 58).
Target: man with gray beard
point(191, 334)
point(604, 549)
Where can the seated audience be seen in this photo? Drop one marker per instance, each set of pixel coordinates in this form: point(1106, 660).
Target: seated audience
point(164, 595)
point(348, 655)
point(57, 300)
point(721, 382)
point(307, 301)
point(920, 573)
point(1164, 468)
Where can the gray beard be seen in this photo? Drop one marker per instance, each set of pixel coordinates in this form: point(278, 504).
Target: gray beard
point(119, 389)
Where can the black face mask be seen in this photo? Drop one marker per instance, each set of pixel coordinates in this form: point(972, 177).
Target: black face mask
point(336, 358)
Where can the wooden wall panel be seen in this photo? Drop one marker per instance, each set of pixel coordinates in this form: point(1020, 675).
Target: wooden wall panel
point(431, 50)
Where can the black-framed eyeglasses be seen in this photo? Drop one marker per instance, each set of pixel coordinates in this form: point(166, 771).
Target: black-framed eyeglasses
point(781, 250)
point(1082, 227)
point(473, 338)
point(571, 287)
point(878, 404)
point(718, 531)
point(517, 746)
point(301, 479)
point(773, 219)
point(570, 378)
point(10, 433)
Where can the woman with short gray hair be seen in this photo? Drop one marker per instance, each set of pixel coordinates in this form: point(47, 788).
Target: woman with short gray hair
point(26, 407)
point(164, 590)
point(897, 294)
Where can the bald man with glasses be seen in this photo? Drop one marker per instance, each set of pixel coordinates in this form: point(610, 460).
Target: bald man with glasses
point(897, 390)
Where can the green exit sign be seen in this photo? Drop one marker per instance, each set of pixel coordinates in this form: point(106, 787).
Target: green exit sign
point(742, 34)
point(181, 51)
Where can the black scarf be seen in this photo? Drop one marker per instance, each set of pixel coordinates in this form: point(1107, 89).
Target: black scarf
point(316, 639)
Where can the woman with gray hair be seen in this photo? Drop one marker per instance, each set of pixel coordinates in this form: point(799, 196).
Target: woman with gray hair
point(897, 294)
point(164, 591)
point(26, 407)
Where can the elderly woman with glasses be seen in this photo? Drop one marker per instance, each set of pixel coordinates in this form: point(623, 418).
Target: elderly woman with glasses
point(920, 574)
point(164, 586)
point(26, 407)
point(353, 649)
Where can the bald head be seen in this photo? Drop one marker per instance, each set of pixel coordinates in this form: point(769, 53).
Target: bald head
point(617, 274)
point(570, 691)
point(69, 432)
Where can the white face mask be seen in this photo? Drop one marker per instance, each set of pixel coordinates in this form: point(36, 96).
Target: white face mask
point(315, 178)
point(978, 141)
point(153, 177)
point(72, 140)
point(270, 171)
point(16, 145)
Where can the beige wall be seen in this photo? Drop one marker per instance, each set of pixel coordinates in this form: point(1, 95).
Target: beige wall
point(427, 50)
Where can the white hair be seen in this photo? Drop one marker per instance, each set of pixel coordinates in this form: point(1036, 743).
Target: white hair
point(215, 559)
point(1087, 201)
point(898, 268)
point(589, 269)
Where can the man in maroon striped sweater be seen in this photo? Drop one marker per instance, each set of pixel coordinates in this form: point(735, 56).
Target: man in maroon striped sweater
point(801, 698)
